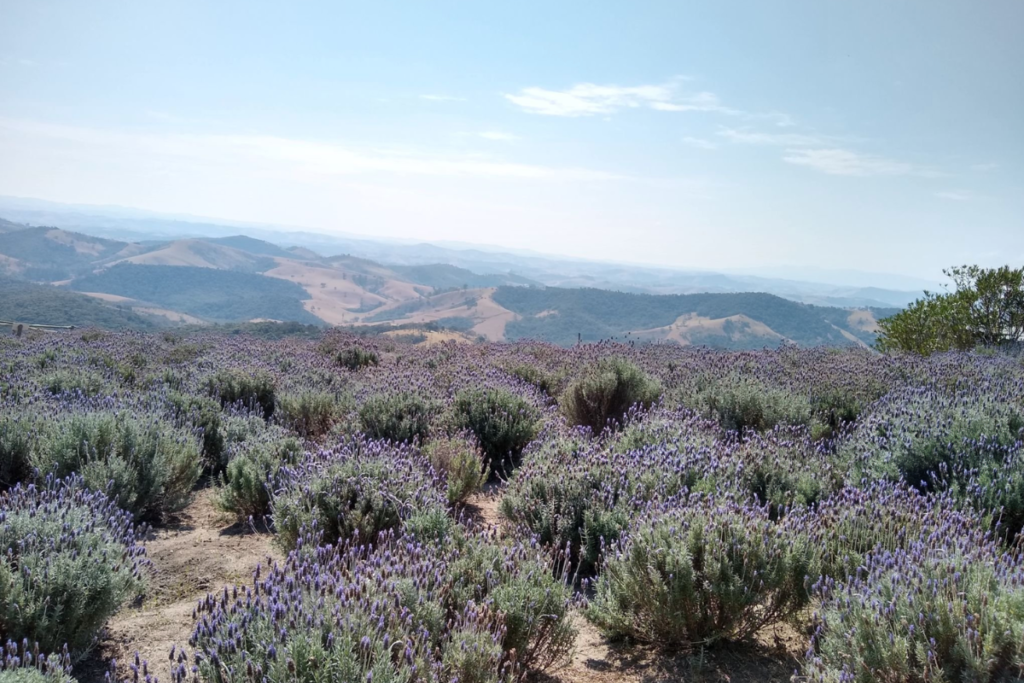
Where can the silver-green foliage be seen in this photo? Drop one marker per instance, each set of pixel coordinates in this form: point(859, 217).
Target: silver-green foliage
point(459, 460)
point(68, 560)
point(146, 464)
point(704, 571)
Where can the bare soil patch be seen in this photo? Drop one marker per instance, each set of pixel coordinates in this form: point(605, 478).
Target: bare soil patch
point(200, 552)
point(767, 659)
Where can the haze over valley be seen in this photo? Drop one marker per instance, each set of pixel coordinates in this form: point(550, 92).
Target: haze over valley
point(157, 271)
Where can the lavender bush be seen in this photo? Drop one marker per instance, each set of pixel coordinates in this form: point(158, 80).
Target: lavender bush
point(310, 414)
point(146, 465)
point(253, 470)
point(458, 459)
point(502, 421)
point(356, 358)
point(601, 397)
point(968, 441)
point(689, 575)
point(24, 663)
point(16, 436)
point(398, 610)
point(357, 486)
point(70, 560)
point(400, 417)
point(251, 389)
point(948, 608)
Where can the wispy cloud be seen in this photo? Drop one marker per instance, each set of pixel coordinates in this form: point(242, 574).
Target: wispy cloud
point(834, 161)
point(984, 168)
point(699, 143)
point(960, 195)
point(442, 98)
point(497, 136)
point(589, 99)
point(749, 137)
point(17, 61)
point(285, 155)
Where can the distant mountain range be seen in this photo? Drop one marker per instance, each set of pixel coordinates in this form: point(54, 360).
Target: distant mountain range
point(182, 272)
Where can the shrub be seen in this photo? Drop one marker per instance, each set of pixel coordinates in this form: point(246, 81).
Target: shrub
point(250, 389)
point(783, 468)
point(25, 664)
point(146, 465)
point(252, 473)
point(969, 443)
point(742, 403)
point(400, 417)
point(459, 460)
point(204, 414)
point(71, 559)
point(834, 409)
point(605, 392)
point(359, 486)
point(940, 610)
point(70, 381)
point(551, 383)
point(578, 496)
point(694, 575)
point(884, 517)
point(356, 358)
point(402, 611)
point(311, 414)
point(523, 586)
point(502, 422)
point(16, 436)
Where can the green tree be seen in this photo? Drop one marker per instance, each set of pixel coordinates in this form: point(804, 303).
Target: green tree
point(985, 308)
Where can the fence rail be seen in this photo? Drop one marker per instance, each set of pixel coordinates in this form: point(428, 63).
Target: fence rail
point(17, 328)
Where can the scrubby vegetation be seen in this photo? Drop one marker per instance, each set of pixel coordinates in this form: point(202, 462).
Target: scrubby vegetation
point(605, 393)
point(872, 502)
point(71, 559)
point(502, 421)
point(147, 466)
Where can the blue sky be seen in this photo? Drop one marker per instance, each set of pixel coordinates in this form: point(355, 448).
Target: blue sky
point(874, 135)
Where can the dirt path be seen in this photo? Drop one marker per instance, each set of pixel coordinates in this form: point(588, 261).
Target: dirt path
point(768, 659)
point(482, 507)
point(202, 552)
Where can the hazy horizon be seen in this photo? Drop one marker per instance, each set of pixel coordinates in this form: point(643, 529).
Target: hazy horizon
point(278, 234)
point(730, 137)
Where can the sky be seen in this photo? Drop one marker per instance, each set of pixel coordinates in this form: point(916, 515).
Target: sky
point(873, 135)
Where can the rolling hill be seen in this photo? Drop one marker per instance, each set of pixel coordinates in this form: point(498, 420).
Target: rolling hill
point(200, 254)
point(237, 278)
point(445, 276)
point(8, 226)
point(51, 254)
point(749, 320)
point(33, 303)
point(206, 293)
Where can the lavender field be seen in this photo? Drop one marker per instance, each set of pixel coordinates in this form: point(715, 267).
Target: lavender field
point(481, 512)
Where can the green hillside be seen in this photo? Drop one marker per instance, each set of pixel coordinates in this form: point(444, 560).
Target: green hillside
point(8, 226)
point(48, 305)
point(217, 295)
point(443, 276)
point(52, 254)
point(252, 246)
point(596, 314)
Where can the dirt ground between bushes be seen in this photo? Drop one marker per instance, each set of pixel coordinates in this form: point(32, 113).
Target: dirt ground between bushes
point(204, 550)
